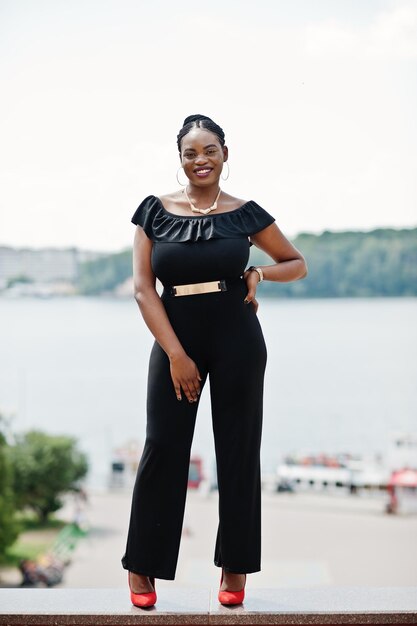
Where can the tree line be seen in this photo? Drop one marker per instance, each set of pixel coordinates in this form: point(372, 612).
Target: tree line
point(377, 263)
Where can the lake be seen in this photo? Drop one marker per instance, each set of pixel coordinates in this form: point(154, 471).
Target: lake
point(341, 374)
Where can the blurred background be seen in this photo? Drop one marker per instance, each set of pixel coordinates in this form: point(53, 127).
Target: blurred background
point(317, 101)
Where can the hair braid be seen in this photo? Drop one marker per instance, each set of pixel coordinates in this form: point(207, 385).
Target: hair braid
point(199, 121)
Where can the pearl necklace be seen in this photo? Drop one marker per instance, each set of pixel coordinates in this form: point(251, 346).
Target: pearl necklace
point(213, 207)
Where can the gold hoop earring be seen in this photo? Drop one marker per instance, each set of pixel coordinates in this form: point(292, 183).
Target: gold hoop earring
point(228, 171)
point(178, 180)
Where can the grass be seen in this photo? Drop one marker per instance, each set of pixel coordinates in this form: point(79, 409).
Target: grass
point(35, 539)
point(29, 521)
point(22, 549)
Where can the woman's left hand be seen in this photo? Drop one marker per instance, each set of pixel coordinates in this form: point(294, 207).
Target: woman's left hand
point(252, 279)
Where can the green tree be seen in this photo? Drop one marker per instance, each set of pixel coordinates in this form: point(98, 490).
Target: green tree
point(20, 278)
point(45, 468)
point(9, 528)
point(105, 274)
point(381, 262)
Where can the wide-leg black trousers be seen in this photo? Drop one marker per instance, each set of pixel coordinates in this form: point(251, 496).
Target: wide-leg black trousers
point(223, 336)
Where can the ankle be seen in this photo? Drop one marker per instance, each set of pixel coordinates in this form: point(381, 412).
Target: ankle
point(140, 583)
point(232, 581)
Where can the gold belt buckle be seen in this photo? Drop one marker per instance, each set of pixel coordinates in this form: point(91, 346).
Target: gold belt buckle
point(194, 288)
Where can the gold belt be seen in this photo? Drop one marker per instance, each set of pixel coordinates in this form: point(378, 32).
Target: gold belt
point(193, 288)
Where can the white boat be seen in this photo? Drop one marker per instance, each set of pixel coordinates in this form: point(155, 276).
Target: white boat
point(343, 472)
point(348, 472)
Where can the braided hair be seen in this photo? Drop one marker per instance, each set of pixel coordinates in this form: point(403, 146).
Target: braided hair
point(199, 121)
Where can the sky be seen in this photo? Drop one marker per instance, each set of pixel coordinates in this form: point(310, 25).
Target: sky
point(317, 100)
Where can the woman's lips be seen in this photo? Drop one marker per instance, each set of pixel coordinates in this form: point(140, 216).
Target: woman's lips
point(203, 172)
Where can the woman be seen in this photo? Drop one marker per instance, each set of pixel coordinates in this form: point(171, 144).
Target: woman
point(196, 241)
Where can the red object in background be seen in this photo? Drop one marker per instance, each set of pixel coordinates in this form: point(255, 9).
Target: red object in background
point(403, 478)
point(400, 480)
point(195, 474)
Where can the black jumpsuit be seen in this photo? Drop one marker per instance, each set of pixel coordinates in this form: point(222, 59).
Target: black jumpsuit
point(223, 336)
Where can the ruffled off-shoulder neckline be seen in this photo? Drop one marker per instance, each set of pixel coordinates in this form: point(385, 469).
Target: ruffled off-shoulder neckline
point(162, 225)
point(201, 216)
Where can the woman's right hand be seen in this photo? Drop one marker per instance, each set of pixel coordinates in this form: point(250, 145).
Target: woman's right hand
point(185, 376)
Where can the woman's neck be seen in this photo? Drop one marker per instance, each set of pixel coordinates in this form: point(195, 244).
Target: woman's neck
point(203, 194)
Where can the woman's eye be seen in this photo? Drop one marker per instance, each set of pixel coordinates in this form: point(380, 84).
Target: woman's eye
point(191, 155)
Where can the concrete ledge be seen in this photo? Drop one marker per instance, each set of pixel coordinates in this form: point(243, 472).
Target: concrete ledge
point(304, 605)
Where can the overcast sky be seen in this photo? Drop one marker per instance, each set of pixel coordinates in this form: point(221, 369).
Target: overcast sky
point(318, 100)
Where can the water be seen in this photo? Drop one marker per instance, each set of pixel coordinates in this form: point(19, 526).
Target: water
point(341, 374)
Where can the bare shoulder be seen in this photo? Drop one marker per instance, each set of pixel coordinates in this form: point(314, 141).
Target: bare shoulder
point(171, 199)
point(229, 202)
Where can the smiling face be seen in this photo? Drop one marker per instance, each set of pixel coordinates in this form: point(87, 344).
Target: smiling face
point(202, 157)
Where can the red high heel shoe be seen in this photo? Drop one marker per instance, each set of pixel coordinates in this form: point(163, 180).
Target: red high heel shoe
point(231, 597)
point(142, 599)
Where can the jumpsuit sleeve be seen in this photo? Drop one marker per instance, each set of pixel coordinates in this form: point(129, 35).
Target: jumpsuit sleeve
point(144, 214)
point(257, 218)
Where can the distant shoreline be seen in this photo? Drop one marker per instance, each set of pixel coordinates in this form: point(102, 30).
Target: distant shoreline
point(377, 263)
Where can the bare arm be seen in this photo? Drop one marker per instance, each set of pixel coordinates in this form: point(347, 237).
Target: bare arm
point(289, 262)
point(184, 371)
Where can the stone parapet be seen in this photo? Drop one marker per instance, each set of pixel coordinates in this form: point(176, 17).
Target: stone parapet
point(303, 605)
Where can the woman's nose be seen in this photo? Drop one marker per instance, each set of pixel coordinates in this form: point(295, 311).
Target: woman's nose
point(201, 158)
